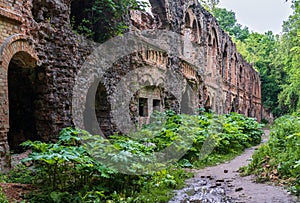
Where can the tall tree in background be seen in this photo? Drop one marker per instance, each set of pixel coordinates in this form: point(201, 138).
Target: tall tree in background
point(209, 5)
point(228, 23)
point(269, 55)
point(261, 50)
point(289, 58)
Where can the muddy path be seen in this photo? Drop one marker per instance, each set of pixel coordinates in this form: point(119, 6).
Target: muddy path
point(223, 184)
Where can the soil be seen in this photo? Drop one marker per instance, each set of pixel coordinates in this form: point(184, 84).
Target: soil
point(223, 183)
point(15, 191)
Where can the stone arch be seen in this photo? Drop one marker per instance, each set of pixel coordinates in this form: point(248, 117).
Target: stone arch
point(214, 38)
point(97, 112)
point(15, 49)
point(146, 85)
point(224, 69)
point(234, 104)
point(209, 39)
point(147, 100)
point(212, 52)
point(200, 31)
point(206, 98)
point(187, 20)
point(189, 17)
point(233, 69)
point(241, 76)
point(14, 44)
point(195, 31)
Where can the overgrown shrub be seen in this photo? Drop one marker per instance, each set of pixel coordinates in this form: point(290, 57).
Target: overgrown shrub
point(65, 172)
point(73, 169)
point(279, 159)
point(3, 198)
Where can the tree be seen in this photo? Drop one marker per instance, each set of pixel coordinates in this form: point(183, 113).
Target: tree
point(100, 20)
point(261, 51)
point(277, 58)
point(209, 5)
point(228, 23)
point(289, 50)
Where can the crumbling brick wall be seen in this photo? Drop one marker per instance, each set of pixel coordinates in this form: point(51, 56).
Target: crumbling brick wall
point(37, 34)
point(229, 82)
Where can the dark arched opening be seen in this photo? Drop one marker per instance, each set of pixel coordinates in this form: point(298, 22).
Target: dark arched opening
point(97, 111)
point(224, 70)
point(22, 84)
point(241, 76)
point(187, 20)
point(195, 32)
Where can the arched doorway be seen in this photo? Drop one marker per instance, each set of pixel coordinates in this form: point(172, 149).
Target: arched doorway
point(15, 49)
point(97, 110)
point(21, 78)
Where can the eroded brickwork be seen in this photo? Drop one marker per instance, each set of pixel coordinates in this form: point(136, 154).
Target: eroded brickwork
point(226, 81)
point(36, 35)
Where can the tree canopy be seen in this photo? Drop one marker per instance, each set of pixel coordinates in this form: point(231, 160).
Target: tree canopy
point(228, 22)
point(289, 59)
point(276, 57)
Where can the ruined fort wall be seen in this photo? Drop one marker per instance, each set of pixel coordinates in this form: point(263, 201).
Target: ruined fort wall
point(11, 41)
point(231, 84)
point(37, 34)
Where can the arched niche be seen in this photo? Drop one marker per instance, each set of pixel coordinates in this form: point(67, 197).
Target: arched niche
point(97, 110)
point(225, 62)
point(212, 53)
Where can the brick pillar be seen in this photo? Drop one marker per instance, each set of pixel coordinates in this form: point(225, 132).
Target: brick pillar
point(4, 121)
point(12, 45)
point(4, 152)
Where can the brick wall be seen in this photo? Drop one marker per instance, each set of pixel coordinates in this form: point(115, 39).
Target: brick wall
point(41, 30)
point(12, 41)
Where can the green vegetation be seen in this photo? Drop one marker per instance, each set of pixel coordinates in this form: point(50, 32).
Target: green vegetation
point(275, 57)
point(228, 22)
point(3, 198)
point(279, 159)
point(100, 20)
point(65, 171)
point(209, 5)
point(289, 58)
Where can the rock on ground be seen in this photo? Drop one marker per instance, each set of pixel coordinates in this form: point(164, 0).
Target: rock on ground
point(223, 184)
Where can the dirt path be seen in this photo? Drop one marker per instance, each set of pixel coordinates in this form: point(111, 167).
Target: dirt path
point(223, 183)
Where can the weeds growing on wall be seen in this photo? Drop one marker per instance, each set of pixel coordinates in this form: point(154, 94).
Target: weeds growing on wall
point(100, 20)
point(279, 159)
point(65, 171)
